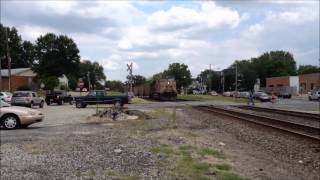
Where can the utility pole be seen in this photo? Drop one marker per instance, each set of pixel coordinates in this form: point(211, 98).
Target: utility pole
point(88, 75)
point(129, 69)
point(210, 73)
point(9, 60)
point(236, 84)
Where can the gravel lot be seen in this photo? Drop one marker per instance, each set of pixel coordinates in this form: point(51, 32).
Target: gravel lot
point(175, 142)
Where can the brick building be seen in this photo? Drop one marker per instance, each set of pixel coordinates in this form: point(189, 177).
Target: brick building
point(288, 84)
point(20, 77)
point(294, 84)
point(309, 82)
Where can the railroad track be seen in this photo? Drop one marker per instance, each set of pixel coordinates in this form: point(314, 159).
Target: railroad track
point(308, 116)
point(305, 131)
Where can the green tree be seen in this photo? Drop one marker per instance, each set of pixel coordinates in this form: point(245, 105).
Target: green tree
point(180, 73)
point(95, 72)
point(211, 78)
point(56, 55)
point(16, 49)
point(274, 63)
point(28, 52)
point(308, 69)
point(246, 75)
point(50, 82)
point(137, 80)
point(115, 86)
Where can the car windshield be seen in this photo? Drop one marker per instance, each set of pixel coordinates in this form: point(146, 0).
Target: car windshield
point(4, 104)
point(21, 94)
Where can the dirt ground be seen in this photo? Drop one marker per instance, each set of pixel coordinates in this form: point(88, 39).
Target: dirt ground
point(173, 142)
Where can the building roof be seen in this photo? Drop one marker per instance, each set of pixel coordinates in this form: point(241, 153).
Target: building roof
point(18, 72)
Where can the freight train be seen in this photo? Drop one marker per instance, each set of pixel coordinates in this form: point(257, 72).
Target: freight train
point(162, 89)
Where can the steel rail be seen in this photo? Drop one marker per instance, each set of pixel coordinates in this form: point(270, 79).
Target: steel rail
point(309, 116)
point(294, 128)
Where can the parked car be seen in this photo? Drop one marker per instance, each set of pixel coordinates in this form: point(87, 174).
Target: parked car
point(315, 95)
point(284, 95)
point(6, 96)
point(213, 93)
point(12, 117)
point(263, 97)
point(100, 96)
point(26, 98)
point(227, 94)
point(244, 94)
point(59, 97)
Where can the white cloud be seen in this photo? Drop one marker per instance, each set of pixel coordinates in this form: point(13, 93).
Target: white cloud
point(32, 32)
point(178, 18)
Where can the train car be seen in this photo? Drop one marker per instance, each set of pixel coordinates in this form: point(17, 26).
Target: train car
point(164, 89)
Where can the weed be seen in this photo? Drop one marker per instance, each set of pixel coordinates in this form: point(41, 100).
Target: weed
point(229, 176)
point(211, 152)
point(163, 148)
point(223, 167)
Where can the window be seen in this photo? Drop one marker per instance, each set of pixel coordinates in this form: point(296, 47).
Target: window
point(34, 95)
point(92, 93)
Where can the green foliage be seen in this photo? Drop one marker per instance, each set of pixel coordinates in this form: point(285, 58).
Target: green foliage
point(155, 78)
point(308, 69)
point(95, 72)
point(180, 73)
point(137, 80)
point(115, 86)
point(56, 55)
point(212, 79)
point(50, 82)
point(223, 167)
point(72, 83)
point(269, 64)
point(21, 53)
point(211, 152)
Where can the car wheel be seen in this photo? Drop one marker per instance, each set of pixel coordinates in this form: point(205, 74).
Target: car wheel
point(71, 102)
point(79, 105)
point(31, 104)
point(11, 121)
point(41, 104)
point(48, 103)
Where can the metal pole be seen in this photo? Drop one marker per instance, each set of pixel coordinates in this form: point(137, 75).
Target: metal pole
point(88, 74)
point(236, 84)
point(9, 61)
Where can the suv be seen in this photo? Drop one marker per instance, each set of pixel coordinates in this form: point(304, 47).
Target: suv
point(59, 97)
point(26, 98)
point(314, 96)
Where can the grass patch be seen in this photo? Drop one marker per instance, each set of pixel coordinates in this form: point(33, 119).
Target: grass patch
point(223, 175)
point(114, 93)
point(211, 152)
point(137, 100)
point(163, 149)
point(223, 167)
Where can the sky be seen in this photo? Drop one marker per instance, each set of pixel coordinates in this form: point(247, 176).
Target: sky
point(153, 34)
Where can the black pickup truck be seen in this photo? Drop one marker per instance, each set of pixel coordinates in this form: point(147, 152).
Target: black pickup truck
point(59, 97)
point(100, 97)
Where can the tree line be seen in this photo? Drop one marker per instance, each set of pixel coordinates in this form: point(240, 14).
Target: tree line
point(269, 64)
point(50, 57)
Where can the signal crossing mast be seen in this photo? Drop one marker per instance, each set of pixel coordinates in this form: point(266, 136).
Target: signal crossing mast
point(129, 69)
